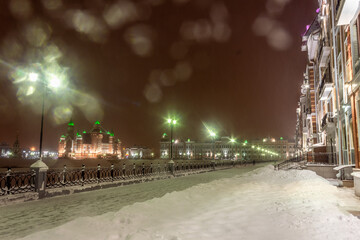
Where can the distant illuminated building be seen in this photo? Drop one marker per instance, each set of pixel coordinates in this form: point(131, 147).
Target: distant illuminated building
point(190, 149)
point(285, 148)
point(95, 143)
point(266, 149)
point(138, 152)
point(5, 150)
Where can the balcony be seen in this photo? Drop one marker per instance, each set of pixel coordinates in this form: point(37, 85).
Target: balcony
point(325, 86)
point(345, 11)
point(324, 53)
point(303, 47)
point(328, 122)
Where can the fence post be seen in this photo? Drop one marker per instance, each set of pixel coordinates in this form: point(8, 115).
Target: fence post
point(8, 180)
point(171, 166)
point(40, 169)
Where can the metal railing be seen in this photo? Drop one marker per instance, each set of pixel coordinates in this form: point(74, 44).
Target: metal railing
point(325, 79)
point(13, 183)
point(328, 118)
point(65, 178)
point(285, 164)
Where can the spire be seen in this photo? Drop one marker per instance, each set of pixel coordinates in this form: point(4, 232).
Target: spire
point(70, 129)
point(71, 123)
point(16, 146)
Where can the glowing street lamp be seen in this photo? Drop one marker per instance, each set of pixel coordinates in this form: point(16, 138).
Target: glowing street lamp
point(233, 141)
point(47, 80)
point(213, 136)
point(172, 123)
point(33, 77)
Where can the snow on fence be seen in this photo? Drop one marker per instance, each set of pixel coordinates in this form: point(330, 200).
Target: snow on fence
point(286, 164)
point(14, 183)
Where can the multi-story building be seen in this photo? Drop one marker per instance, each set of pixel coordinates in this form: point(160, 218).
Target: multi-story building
point(5, 150)
point(284, 148)
point(329, 95)
point(95, 143)
point(226, 148)
point(138, 152)
point(308, 92)
point(222, 148)
point(346, 37)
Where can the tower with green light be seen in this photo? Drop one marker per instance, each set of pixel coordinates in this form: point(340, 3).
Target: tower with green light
point(94, 143)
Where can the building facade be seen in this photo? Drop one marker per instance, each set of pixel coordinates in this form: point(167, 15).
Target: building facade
point(225, 148)
point(327, 125)
point(96, 143)
point(283, 147)
point(138, 152)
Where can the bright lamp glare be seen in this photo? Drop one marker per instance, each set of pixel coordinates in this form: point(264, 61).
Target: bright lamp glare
point(54, 82)
point(169, 120)
point(174, 121)
point(33, 77)
point(212, 134)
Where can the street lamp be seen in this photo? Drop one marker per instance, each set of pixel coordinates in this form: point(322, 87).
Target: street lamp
point(213, 136)
point(47, 80)
point(172, 123)
point(233, 141)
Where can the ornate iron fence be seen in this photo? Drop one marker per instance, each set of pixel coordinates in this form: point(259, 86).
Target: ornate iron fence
point(13, 183)
point(285, 164)
point(63, 178)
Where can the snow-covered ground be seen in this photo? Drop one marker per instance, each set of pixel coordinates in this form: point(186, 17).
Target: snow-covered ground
point(22, 219)
point(262, 204)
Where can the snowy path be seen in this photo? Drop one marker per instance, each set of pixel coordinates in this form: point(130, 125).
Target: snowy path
point(23, 219)
point(263, 204)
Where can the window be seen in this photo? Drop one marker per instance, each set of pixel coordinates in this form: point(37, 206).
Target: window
point(358, 33)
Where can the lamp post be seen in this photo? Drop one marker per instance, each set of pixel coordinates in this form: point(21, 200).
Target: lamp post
point(47, 80)
point(42, 117)
point(233, 141)
point(172, 123)
point(213, 135)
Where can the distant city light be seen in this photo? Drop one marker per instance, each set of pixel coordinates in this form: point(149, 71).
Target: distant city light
point(33, 77)
point(212, 133)
point(54, 81)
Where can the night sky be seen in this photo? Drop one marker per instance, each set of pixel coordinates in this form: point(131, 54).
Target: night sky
point(234, 65)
